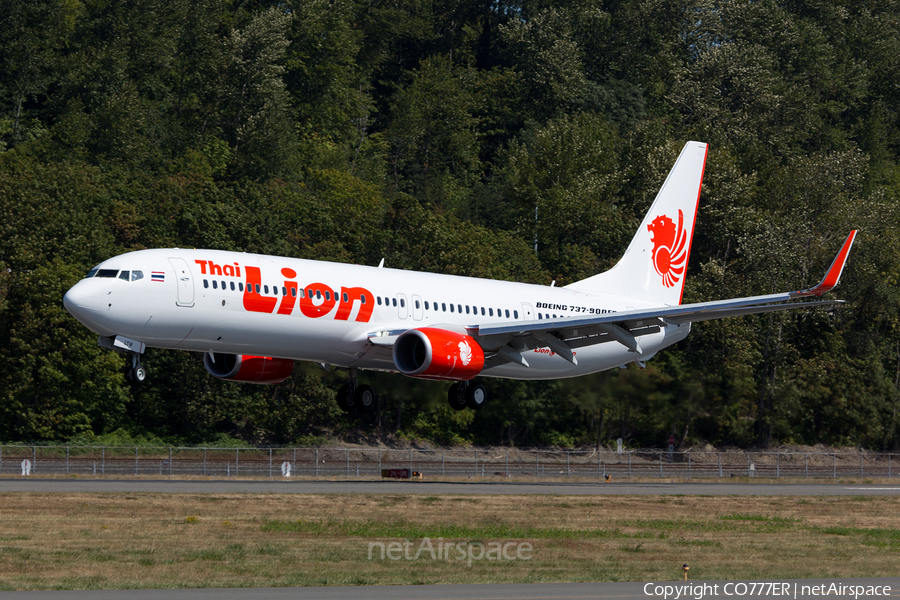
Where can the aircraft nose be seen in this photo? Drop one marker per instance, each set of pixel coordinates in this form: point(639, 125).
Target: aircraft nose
point(83, 300)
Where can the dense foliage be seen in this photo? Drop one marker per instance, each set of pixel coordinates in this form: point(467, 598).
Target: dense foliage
point(431, 133)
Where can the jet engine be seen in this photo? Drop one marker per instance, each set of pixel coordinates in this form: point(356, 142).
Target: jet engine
point(249, 369)
point(430, 353)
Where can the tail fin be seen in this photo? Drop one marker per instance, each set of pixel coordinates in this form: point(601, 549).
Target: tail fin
point(654, 266)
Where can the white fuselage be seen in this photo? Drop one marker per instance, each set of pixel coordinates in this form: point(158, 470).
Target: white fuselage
point(326, 312)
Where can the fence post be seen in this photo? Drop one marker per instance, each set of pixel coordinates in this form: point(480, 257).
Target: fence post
point(67, 459)
point(237, 457)
point(507, 463)
point(476, 463)
point(103, 460)
point(889, 465)
point(778, 465)
point(270, 462)
point(834, 466)
point(660, 464)
point(861, 465)
point(442, 463)
point(599, 463)
point(170, 460)
point(719, 454)
point(317, 462)
point(135, 460)
point(410, 461)
point(748, 465)
point(204, 461)
point(567, 464)
point(379, 462)
point(690, 457)
point(629, 463)
point(537, 463)
point(806, 463)
point(348, 462)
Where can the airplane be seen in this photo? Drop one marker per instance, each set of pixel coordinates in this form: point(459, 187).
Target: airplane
point(253, 316)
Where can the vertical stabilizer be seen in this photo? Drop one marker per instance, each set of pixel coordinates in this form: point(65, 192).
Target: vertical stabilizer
point(654, 266)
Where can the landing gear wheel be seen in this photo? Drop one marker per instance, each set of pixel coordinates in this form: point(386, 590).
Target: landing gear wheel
point(365, 398)
point(345, 399)
point(456, 396)
point(139, 374)
point(476, 396)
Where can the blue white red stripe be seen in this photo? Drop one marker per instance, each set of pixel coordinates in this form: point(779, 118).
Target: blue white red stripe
point(158, 276)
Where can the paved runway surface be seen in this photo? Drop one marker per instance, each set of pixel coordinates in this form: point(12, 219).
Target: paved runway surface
point(539, 591)
point(436, 488)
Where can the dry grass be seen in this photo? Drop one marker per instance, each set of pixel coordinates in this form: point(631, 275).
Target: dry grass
point(93, 541)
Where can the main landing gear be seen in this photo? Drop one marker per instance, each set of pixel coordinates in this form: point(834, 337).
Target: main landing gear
point(466, 393)
point(355, 398)
point(135, 372)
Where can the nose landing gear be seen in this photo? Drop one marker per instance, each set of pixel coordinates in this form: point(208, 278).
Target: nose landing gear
point(135, 372)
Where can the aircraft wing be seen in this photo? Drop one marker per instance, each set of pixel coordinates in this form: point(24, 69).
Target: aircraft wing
point(562, 335)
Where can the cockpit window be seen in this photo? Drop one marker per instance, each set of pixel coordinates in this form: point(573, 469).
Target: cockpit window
point(111, 273)
point(125, 275)
point(92, 272)
point(135, 275)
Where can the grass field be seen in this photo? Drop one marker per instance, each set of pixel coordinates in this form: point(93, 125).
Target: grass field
point(94, 541)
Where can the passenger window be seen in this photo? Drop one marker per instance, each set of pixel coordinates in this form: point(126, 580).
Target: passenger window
point(294, 292)
point(215, 284)
point(417, 304)
point(232, 286)
point(318, 294)
point(266, 288)
point(362, 298)
point(135, 275)
point(394, 301)
point(223, 285)
point(328, 296)
point(346, 298)
point(426, 305)
point(205, 283)
point(515, 314)
point(451, 308)
point(459, 308)
point(443, 307)
point(241, 287)
point(257, 287)
point(540, 316)
point(491, 310)
point(378, 299)
point(402, 303)
point(283, 291)
point(482, 311)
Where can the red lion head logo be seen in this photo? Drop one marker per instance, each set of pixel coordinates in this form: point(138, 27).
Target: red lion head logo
point(669, 248)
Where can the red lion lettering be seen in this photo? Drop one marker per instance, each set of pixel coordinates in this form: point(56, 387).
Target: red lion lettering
point(669, 248)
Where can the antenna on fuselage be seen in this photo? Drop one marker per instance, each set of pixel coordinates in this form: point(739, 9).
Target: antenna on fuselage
point(381, 264)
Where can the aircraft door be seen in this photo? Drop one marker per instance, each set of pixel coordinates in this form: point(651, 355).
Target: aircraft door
point(417, 309)
point(184, 281)
point(402, 308)
point(527, 312)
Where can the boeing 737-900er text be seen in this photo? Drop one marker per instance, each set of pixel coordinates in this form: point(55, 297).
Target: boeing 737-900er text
point(253, 316)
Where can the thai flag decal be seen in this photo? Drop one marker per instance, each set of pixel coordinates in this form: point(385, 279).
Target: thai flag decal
point(158, 276)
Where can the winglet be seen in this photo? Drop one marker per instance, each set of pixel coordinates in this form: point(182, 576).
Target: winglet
point(834, 271)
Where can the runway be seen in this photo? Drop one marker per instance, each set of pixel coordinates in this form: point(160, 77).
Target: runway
point(537, 591)
point(436, 488)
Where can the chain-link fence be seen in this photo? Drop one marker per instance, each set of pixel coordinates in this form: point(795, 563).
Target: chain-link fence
point(369, 462)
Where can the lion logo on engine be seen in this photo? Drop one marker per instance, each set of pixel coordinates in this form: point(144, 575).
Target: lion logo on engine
point(465, 353)
point(669, 248)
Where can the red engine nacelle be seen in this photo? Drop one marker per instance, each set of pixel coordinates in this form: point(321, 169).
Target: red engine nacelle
point(431, 353)
point(249, 369)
